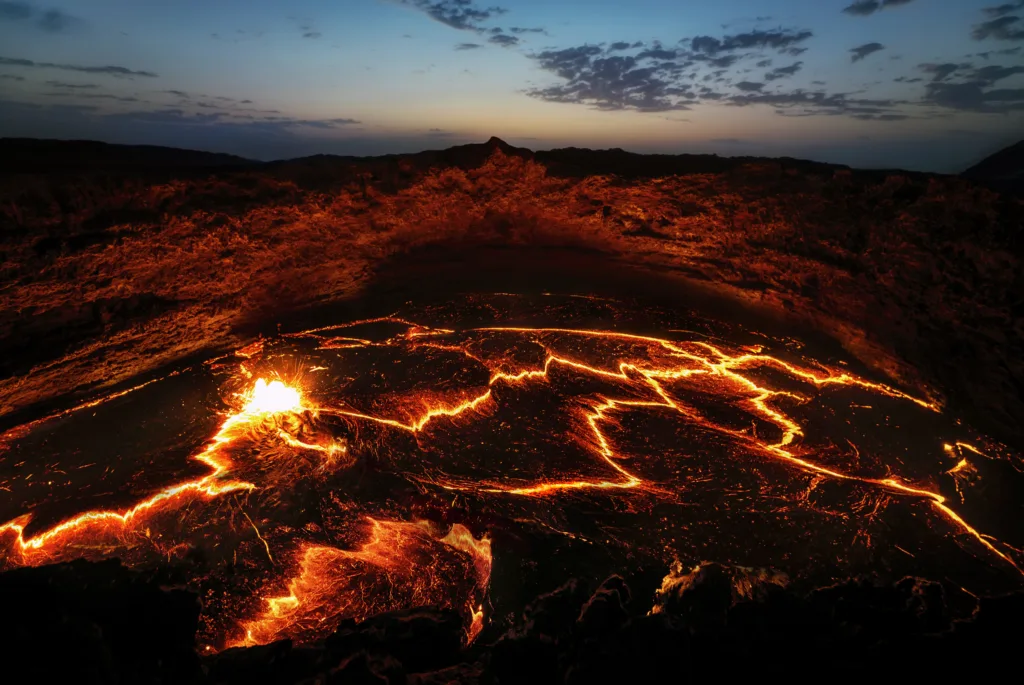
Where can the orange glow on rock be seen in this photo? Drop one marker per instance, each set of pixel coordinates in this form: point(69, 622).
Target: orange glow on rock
point(408, 564)
point(263, 400)
point(272, 398)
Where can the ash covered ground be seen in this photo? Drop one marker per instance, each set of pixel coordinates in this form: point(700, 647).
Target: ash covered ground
point(335, 391)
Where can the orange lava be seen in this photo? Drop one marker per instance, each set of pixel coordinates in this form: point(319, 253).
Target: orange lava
point(406, 564)
point(262, 400)
point(400, 565)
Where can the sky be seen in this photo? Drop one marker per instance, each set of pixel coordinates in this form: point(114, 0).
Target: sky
point(930, 85)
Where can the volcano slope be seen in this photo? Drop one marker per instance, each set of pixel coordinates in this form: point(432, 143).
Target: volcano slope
point(334, 390)
point(117, 271)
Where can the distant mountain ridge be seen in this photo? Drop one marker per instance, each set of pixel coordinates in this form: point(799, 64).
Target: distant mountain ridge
point(1003, 171)
point(28, 155)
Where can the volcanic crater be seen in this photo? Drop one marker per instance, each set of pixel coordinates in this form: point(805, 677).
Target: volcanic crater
point(326, 392)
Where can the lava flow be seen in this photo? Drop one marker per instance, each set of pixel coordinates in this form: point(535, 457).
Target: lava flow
point(361, 467)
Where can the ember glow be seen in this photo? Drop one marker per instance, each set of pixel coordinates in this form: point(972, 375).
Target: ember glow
point(272, 398)
point(364, 467)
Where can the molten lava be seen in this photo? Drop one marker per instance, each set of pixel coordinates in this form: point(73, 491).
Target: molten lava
point(359, 468)
point(401, 565)
point(272, 398)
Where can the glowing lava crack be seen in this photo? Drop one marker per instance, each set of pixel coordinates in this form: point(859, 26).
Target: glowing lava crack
point(306, 571)
point(264, 399)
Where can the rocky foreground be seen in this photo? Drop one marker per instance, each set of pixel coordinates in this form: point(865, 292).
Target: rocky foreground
point(101, 623)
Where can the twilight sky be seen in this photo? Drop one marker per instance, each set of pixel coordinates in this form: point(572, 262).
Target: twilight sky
point(932, 85)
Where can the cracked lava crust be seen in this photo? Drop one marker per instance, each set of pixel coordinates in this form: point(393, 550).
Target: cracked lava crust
point(365, 466)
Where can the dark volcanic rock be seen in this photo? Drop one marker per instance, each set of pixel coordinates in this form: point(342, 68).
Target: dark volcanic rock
point(418, 639)
point(28, 155)
point(83, 622)
point(1003, 171)
point(100, 623)
point(277, 662)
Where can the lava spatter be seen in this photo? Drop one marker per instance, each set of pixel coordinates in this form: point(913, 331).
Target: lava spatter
point(264, 399)
point(308, 482)
point(399, 565)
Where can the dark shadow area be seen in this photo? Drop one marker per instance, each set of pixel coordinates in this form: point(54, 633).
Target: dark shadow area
point(439, 271)
point(100, 623)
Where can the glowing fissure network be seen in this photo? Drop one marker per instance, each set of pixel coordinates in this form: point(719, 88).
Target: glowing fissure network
point(313, 595)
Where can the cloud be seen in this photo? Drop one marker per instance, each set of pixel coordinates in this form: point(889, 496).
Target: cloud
point(179, 117)
point(312, 34)
point(165, 116)
point(468, 46)
point(972, 97)
point(783, 72)
point(504, 40)
point(521, 30)
point(973, 91)
point(15, 11)
point(1003, 28)
point(881, 117)
point(861, 51)
point(863, 8)
point(650, 77)
point(61, 84)
point(801, 103)
point(940, 72)
point(96, 96)
point(464, 15)
point(988, 54)
point(725, 61)
point(990, 74)
point(110, 70)
point(12, 77)
point(1000, 10)
point(223, 104)
point(51, 20)
point(611, 82)
point(986, 76)
point(777, 39)
point(657, 78)
point(55, 21)
point(622, 45)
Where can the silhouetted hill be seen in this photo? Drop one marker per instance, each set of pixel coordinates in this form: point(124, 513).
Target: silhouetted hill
point(321, 171)
point(24, 155)
point(1003, 171)
point(30, 155)
point(585, 162)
